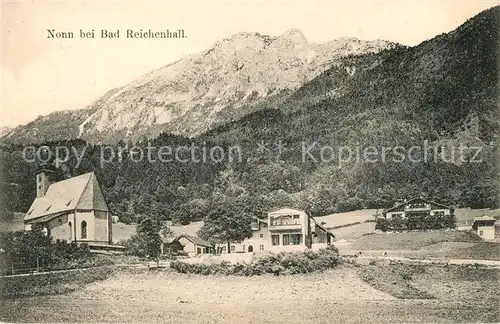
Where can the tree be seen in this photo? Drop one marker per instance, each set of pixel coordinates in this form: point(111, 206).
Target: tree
point(349, 204)
point(450, 221)
point(226, 224)
point(147, 241)
point(191, 211)
point(173, 248)
point(382, 224)
point(27, 248)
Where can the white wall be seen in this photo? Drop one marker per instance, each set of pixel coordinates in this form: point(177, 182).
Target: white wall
point(446, 211)
point(98, 227)
point(486, 232)
point(101, 226)
point(287, 248)
point(188, 245)
point(318, 246)
point(87, 216)
point(59, 228)
point(280, 230)
point(255, 241)
point(389, 215)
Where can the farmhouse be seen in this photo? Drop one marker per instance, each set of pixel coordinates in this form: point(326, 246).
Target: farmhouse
point(72, 210)
point(417, 207)
point(191, 245)
point(286, 229)
point(485, 227)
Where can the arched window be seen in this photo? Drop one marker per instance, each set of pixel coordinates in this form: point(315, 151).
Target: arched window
point(84, 229)
point(70, 232)
point(250, 248)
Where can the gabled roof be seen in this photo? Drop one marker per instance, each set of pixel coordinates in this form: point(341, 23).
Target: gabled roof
point(81, 192)
point(414, 199)
point(484, 218)
point(285, 207)
point(196, 240)
point(260, 220)
point(321, 226)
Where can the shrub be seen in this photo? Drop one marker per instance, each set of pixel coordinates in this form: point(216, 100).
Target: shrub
point(416, 222)
point(282, 263)
point(25, 251)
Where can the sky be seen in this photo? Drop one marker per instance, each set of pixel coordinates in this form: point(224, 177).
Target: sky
point(40, 75)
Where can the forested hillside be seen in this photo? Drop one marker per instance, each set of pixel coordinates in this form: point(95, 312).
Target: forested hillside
point(442, 92)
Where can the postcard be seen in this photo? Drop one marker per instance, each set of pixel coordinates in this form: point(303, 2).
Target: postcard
point(249, 161)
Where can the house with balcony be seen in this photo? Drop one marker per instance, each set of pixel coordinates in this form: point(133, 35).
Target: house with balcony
point(285, 230)
point(293, 229)
point(417, 207)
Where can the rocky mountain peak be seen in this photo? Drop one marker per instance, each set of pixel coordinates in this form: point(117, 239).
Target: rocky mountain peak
point(295, 36)
point(235, 76)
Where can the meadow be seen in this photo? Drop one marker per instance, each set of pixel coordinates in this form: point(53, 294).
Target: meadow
point(335, 296)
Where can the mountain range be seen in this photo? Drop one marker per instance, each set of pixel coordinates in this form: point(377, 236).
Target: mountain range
point(236, 76)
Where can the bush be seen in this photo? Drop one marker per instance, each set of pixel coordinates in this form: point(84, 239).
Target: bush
point(29, 250)
point(282, 263)
point(416, 222)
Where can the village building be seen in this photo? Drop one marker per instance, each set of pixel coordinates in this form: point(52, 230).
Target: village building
point(293, 229)
point(190, 245)
point(71, 210)
point(285, 230)
point(417, 206)
point(259, 241)
point(484, 226)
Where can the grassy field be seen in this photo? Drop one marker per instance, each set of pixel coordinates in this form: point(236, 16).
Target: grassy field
point(353, 232)
point(396, 280)
point(465, 216)
point(348, 217)
point(122, 231)
point(411, 240)
point(50, 283)
point(471, 285)
point(335, 296)
point(436, 244)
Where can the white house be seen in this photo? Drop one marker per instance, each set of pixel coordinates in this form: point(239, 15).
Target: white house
point(293, 229)
point(285, 230)
point(72, 210)
point(417, 206)
point(259, 241)
point(289, 230)
point(485, 227)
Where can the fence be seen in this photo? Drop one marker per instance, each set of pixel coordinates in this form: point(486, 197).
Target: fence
point(12, 267)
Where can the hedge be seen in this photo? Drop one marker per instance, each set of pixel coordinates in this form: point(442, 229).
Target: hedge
point(282, 263)
point(416, 222)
